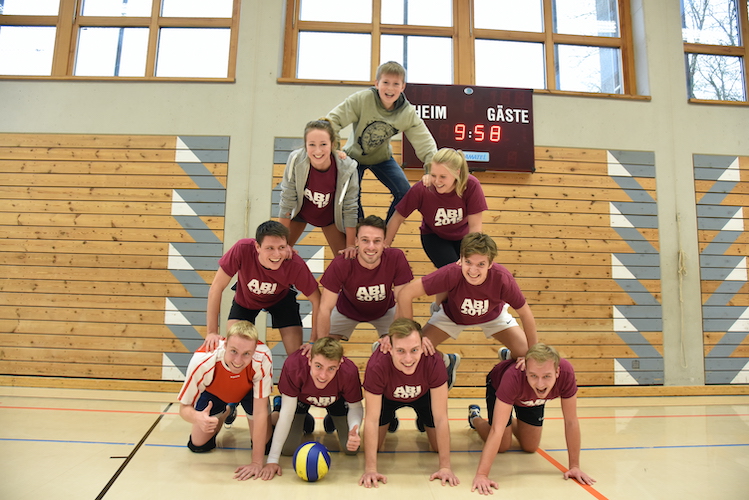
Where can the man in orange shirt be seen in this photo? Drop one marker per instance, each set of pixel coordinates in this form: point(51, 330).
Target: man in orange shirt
point(239, 371)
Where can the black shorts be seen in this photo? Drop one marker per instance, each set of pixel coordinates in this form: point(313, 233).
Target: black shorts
point(422, 407)
point(219, 406)
point(439, 250)
point(283, 313)
point(531, 415)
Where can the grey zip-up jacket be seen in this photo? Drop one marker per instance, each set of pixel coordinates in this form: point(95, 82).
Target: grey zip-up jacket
point(346, 200)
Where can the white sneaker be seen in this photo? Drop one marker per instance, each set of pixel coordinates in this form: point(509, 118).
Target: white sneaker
point(434, 307)
point(504, 354)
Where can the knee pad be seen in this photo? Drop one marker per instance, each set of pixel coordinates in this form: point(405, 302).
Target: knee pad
point(211, 444)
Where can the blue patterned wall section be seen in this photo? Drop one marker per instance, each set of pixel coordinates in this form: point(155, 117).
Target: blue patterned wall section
point(638, 272)
point(208, 199)
point(721, 223)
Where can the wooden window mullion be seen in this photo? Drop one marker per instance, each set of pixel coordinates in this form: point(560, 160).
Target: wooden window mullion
point(376, 38)
point(549, 54)
point(153, 39)
point(744, 30)
point(64, 52)
point(629, 78)
point(464, 66)
point(290, 41)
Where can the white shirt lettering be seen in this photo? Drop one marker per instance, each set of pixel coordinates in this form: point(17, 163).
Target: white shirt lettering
point(320, 200)
point(445, 216)
point(371, 293)
point(473, 307)
point(322, 401)
point(537, 402)
point(407, 391)
point(259, 288)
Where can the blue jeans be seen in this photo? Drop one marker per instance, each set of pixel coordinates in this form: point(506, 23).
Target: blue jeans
point(392, 177)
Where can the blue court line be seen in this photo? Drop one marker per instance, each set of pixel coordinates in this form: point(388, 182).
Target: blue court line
point(511, 451)
point(662, 447)
point(63, 441)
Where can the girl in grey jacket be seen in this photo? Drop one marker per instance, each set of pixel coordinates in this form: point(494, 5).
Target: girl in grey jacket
point(322, 189)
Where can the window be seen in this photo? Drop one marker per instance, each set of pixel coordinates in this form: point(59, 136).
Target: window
point(715, 49)
point(556, 45)
point(142, 39)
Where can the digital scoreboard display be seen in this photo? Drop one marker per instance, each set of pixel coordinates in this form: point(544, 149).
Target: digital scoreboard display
point(492, 126)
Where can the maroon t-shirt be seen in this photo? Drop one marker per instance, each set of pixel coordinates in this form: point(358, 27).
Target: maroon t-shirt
point(468, 304)
point(366, 294)
point(512, 385)
point(445, 215)
point(297, 382)
point(383, 378)
point(319, 196)
point(259, 287)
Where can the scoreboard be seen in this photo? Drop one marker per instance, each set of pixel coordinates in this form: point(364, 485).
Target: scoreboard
point(492, 126)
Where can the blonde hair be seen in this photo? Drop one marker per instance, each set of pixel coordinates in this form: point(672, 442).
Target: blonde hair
point(328, 348)
point(242, 329)
point(478, 243)
point(325, 125)
point(455, 162)
point(542, 353)
point(403, 327)
point(391, 68)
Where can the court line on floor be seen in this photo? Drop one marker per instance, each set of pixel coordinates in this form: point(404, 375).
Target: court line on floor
point(405, 419)
point(562, 468)
point(64, 441)
point(132, 454)
point(239, 448)
point(94, 410)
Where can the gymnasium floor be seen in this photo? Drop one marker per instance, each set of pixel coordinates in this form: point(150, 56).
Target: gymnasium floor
point(83, 444)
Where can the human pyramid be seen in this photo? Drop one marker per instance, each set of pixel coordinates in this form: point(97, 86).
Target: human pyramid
point(370, 281)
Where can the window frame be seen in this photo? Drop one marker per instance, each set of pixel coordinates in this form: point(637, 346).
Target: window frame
point(69, 21)
point(741, 51)
point(463, 36)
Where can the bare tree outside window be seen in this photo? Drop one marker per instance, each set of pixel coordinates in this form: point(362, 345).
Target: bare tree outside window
point(711, 73)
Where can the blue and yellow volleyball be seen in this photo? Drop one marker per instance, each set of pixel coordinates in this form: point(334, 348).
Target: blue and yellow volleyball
point(311, 461)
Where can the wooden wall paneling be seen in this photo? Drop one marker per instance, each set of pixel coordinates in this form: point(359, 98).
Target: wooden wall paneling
point(110, 244)
point(721, 187)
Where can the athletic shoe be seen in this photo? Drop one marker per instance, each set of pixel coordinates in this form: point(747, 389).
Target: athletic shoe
point(232, 415)
point(452, 369)
point(328, 424)
point(393, 425)
point(473, 412)
point(309, 424)
point(277, 403)
point(434, 307)
point(420, 425)
point(504, 353)
point(375, 345)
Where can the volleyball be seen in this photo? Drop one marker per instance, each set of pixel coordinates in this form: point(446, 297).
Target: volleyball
point(311, 461)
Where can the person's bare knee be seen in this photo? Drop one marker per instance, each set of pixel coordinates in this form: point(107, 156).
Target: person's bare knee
point(291, 337)
point(434, 334)
point(514, 339)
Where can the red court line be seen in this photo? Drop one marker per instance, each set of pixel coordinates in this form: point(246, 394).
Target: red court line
point(562, 468)
point(653, 416)
point(87, 410)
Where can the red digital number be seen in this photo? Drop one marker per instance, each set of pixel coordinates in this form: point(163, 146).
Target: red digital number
point(460, 131)
point(478, 133)
point(495, 133)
